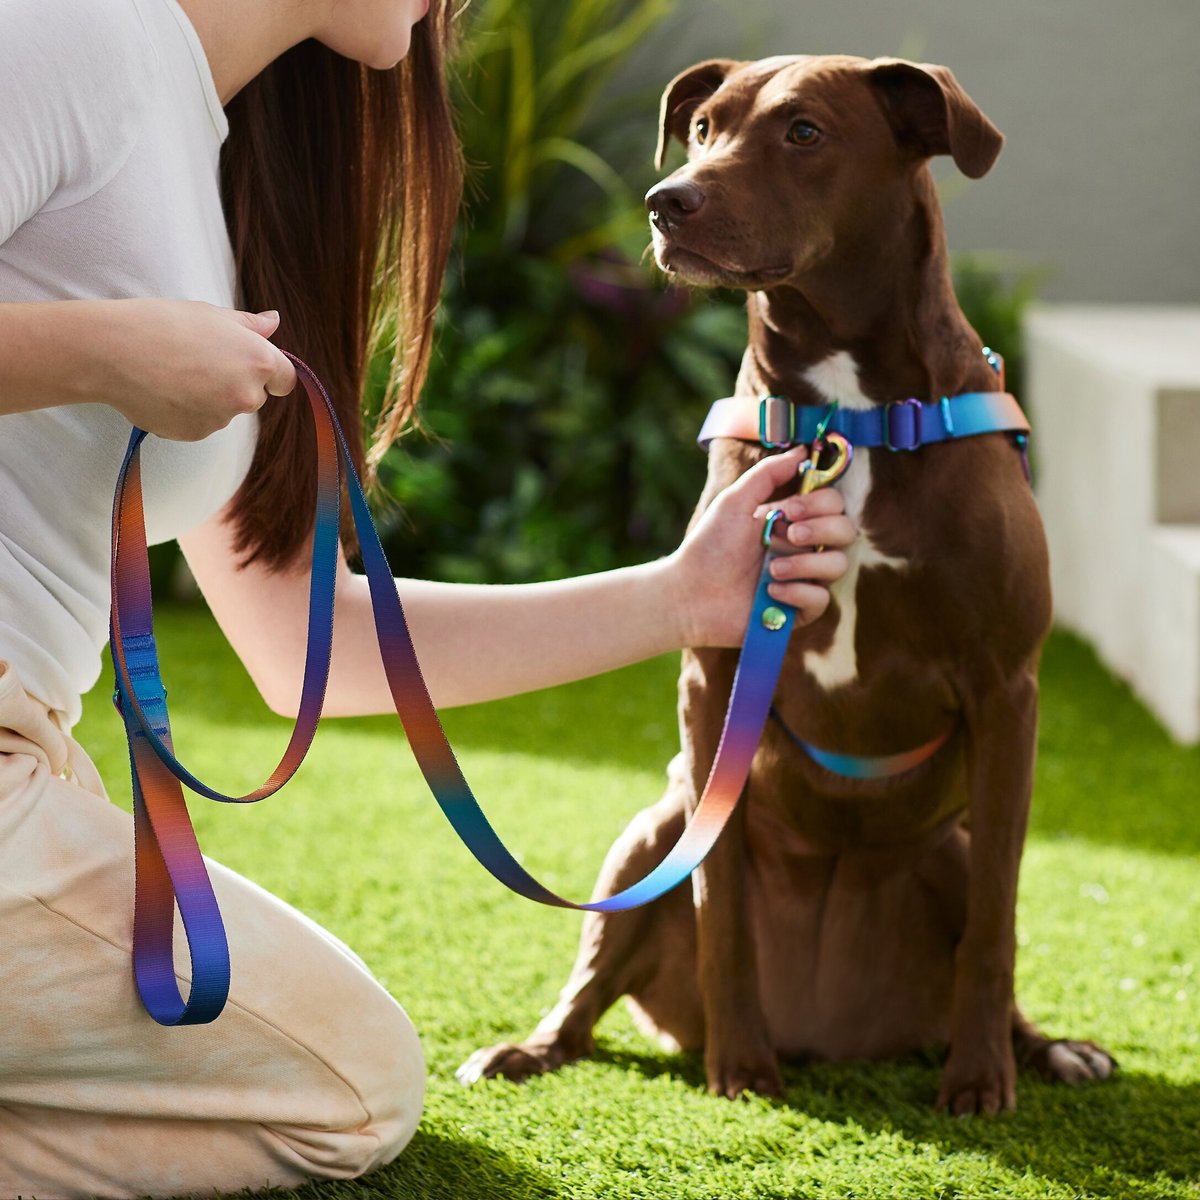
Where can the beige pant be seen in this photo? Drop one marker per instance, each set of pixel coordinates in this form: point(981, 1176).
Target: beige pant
point(312, 1070)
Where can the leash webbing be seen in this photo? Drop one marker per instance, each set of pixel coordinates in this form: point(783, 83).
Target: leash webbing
point(169, 866)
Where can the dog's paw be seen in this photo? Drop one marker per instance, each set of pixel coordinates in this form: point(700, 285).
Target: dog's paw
point(507, 1060)
point(980, 1088)
point(1071, 1062)
point(731, 1078)
point(519, 1062)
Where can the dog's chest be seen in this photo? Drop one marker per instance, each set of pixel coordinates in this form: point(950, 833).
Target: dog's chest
point(836, 378)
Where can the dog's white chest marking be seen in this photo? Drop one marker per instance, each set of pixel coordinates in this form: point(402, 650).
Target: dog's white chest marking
point(836, 378)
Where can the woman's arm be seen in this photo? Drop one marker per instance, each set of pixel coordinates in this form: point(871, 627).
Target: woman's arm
point(181, 369)
point(478, 642)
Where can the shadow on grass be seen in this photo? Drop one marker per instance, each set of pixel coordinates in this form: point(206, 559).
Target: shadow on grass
point(1132, 1130)
point(431, 1167)
point(435, 1167)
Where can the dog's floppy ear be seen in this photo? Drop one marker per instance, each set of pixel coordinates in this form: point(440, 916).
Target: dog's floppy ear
point(681, 97)
point(931, 114)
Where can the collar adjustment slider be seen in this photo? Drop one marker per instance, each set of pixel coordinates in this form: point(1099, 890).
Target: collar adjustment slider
point(902, 424)
point(776, 422)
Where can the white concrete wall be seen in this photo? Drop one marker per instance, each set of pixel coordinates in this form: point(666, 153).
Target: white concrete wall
point(1114, 397)
point(1099, 101)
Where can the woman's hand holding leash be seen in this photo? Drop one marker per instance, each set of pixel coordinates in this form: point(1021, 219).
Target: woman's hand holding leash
point(718, 564)
point(181, 369)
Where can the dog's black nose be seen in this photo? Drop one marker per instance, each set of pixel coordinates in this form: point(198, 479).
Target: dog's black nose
point(673, 201)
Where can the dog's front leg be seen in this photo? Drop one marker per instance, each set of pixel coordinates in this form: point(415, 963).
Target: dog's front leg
point(980, 1072)
point(738, 1055)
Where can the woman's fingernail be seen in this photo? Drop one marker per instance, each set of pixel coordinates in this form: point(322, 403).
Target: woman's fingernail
point(799, 534)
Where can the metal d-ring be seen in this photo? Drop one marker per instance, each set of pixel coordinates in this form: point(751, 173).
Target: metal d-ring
point(776, 514)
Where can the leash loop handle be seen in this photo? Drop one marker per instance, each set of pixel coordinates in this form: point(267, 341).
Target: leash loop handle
point(169, 866)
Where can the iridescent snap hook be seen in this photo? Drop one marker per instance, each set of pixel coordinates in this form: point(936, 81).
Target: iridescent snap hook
point(813, 475)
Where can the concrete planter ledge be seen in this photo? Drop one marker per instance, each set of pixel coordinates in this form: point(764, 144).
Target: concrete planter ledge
point(1114, 397)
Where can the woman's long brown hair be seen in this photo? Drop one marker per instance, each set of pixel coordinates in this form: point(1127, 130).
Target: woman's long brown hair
point(341, 185)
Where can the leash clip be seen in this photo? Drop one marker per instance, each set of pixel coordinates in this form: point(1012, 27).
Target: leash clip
point(813, 475)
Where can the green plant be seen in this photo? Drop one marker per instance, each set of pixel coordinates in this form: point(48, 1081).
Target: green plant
point(528, 90)
point(563, 407)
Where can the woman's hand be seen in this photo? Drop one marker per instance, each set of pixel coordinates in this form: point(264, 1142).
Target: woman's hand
point(181, 369)
point(716, 569)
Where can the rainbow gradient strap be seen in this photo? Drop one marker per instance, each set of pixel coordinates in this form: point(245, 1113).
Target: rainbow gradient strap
point(169, 866)
point(865, 766)
point(901, 425)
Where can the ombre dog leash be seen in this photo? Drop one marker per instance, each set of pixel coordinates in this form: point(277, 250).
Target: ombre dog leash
point(169, 868)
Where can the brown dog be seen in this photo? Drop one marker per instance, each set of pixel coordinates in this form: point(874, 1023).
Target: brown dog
point(840, 918)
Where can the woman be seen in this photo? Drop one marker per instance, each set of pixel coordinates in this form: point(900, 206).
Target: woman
point(167, 169)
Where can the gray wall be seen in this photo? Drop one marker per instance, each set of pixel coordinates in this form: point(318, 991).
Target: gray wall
point(1099, 101)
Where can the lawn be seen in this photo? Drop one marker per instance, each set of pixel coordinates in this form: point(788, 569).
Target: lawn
point(1107, 928)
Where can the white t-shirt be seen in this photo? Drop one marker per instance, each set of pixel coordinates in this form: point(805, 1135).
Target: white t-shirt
point(110, 130)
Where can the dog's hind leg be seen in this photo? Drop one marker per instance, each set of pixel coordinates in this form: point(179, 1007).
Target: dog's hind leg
point(618, 953)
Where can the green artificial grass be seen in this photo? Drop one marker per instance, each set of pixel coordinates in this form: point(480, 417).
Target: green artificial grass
point(1107, 927)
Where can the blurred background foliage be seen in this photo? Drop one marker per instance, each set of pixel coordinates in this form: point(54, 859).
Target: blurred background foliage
point(569, 379)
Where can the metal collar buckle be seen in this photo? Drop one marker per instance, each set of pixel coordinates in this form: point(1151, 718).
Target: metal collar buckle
point(776, 422)
point(903, 434)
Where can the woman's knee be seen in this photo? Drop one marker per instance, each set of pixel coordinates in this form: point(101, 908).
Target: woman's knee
point(389, 1084)
point(395, 1096)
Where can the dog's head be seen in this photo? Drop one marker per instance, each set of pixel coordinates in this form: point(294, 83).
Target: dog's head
point(791, 160)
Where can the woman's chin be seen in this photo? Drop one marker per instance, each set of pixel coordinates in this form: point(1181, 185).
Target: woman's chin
point(393, 60)
point(382, 53)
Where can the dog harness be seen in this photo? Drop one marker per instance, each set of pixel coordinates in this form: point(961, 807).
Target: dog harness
point(776, 423)
point(900, 425)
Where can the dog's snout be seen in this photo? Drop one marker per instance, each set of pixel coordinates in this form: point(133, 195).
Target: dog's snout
point(674, 200)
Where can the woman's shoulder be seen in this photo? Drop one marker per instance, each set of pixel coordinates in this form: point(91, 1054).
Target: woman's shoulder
point(76, 82)
point(54, 36)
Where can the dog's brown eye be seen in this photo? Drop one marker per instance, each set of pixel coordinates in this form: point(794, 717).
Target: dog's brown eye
point(702, 130)
point(802, 133)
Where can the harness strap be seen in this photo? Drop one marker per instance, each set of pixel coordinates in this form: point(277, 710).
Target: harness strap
point(865, 766)
point(169, 866)
point(777, 422)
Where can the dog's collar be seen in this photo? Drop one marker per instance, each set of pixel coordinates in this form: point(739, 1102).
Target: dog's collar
point(776, 422)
